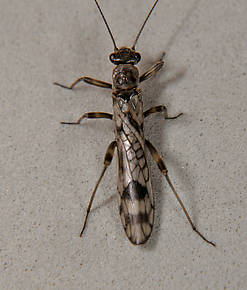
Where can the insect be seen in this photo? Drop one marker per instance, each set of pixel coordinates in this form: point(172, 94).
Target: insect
point(136, 200)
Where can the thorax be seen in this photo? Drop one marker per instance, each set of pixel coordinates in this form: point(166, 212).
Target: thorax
point(128, 111)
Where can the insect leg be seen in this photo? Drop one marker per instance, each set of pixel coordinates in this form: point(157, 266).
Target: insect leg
point(161, 109)
point(160, 163)
point(88, 80)
point(90, 115)
point(107, 161)
point(153, 69)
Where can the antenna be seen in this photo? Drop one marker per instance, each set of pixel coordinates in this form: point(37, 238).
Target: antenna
point(109, 30)
point(139, 33)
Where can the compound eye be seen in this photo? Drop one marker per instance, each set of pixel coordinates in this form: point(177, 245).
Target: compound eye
point(112, 57)
point(138, 57)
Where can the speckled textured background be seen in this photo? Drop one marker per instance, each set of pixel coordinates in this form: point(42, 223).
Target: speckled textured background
point(47, 170)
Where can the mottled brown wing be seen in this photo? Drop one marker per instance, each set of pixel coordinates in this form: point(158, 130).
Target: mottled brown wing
point(136, 203)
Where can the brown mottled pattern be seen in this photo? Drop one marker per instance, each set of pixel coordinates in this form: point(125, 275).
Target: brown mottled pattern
point(136, 203)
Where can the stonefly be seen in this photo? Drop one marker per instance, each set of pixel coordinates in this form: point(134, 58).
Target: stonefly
point(136, 200)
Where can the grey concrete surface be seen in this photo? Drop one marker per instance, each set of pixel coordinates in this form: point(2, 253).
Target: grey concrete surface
point(47, 170)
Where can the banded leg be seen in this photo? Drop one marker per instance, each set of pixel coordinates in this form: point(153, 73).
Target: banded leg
point(160, 163)
point(159, 109)
point(153, 69)
point(90, 115)
point(87, 80)
point(107, 161)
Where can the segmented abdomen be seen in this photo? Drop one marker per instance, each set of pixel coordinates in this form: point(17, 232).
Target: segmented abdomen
point(136, 203)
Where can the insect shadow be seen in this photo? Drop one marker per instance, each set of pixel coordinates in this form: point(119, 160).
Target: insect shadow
point(156, 126)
